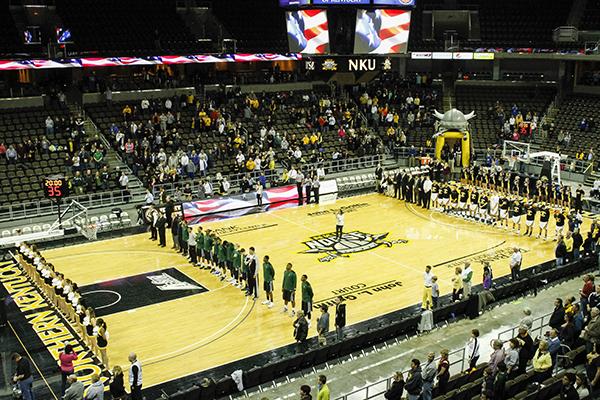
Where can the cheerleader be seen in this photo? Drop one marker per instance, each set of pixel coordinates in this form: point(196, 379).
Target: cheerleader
point(500, 182)
point(89, 321)
point(559, 216)
point(526, 187)
point(517, 186)
point(102, 337)
point(503, 206)
point(465, 174)
point(507, 183)
point(473, 202)
point(567, 196)
point(435, 188)
point(538, 191)
point(516, 210)
point(529, 218)
point(543, 224)
point(493, 178)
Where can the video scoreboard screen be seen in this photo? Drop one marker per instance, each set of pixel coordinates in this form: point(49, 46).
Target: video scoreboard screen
point(324, 3)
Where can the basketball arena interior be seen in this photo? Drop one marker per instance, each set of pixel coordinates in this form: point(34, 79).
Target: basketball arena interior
point(312, 199)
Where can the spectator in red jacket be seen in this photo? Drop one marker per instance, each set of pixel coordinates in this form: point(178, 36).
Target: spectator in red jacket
point(66, 358)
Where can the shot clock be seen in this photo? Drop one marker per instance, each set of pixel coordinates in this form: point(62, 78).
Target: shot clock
point(55, 187)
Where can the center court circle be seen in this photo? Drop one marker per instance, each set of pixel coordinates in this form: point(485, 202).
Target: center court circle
point(99, 297)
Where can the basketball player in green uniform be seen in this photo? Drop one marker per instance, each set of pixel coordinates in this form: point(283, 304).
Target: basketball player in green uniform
point(288, 287)
point(268, 278)
point(221, 258)
point(236, 260)
point(208, 243)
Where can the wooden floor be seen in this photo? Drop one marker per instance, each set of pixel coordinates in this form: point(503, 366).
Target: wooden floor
point(195, 333)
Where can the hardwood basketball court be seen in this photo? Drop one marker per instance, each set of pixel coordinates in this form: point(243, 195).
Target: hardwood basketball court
point(182, 320)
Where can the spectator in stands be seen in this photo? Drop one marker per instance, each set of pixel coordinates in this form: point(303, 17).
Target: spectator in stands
point(487, 387)
point(473, 348)
point(305, 392)
point(75, 389)
point(582, 386)
point(443, 372)
point(500, 382)
point(397, 389)
point(554, 344)
point(568, 332)
point(497, 355)
point(96, 390)
point(527, 320)
point(414, 381)
point(525, 349)
point(568, 391)
point(323, 389)
point(49, 126)
point(542, 362)
point(511, 359)
point(11, 154)
point(558, 314)
point(428, 374)
point(591, 333)
point(124, 184)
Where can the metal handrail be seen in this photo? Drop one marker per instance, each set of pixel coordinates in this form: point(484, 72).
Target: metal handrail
point(330, 166)
point(377, 389)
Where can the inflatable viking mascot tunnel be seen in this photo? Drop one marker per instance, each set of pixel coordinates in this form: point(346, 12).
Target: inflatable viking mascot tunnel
point(453, 127)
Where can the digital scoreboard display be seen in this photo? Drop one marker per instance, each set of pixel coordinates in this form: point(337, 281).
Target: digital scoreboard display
point(340, 2)
point(398, 3)
point(55, 187)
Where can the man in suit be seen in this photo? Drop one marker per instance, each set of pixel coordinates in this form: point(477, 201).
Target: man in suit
point(340, 317)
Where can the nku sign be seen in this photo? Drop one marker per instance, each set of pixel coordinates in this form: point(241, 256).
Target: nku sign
point(362, 64)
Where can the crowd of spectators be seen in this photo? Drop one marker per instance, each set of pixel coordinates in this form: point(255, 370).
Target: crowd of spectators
point(184, 137)
point(83, 157)
point(514, 123)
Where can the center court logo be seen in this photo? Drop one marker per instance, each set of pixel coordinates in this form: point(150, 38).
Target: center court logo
point(165, 281)
point(351, 242)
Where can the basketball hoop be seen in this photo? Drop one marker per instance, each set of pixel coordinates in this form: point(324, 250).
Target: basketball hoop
point(89, 231)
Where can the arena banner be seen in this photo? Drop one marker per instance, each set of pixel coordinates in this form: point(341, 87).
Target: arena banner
point(196, 212)
point(93, 62)
point(358, 63)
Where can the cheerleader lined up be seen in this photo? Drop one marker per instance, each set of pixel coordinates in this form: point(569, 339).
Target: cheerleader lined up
point(65, 296)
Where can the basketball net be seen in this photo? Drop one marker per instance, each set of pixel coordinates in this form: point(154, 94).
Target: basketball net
point(89, 231)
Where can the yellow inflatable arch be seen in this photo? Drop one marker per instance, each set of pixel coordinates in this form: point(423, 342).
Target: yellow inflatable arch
point(451, 137)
